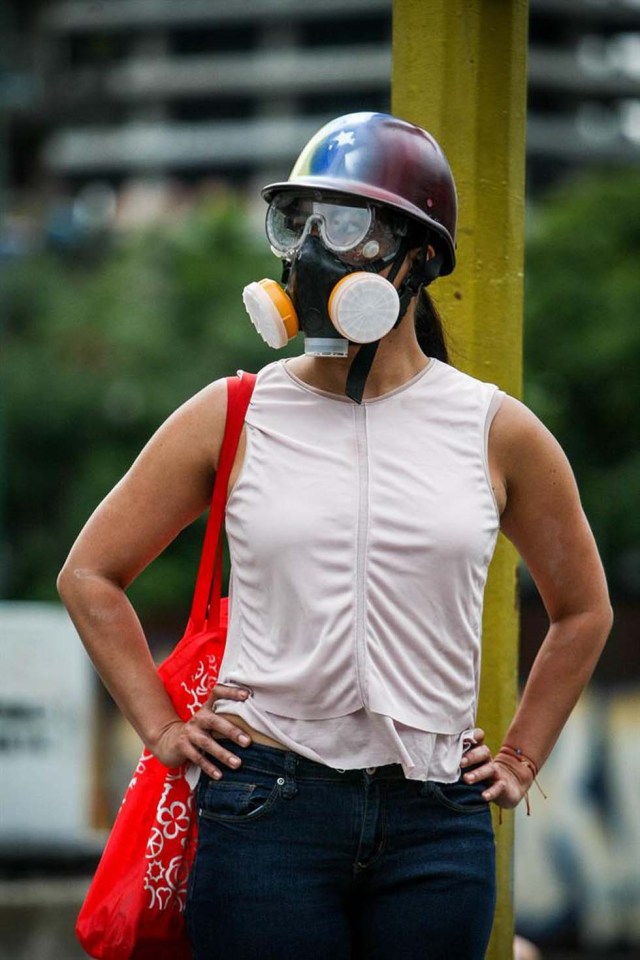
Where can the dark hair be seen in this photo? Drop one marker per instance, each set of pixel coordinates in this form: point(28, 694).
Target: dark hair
point(429, 329)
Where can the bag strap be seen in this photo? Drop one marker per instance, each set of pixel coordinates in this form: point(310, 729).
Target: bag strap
point(205, 608)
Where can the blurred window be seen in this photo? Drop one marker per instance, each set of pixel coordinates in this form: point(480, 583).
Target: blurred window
point(91, 49)
point(630, 119)
point(624, 54)
point(212, 108)
point(341, 103)
point(347, 31)
point(598, 123)
point(209, 40)
point(549, 30)
point(606, 56)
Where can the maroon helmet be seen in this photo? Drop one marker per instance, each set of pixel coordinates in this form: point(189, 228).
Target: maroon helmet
point(386, 160)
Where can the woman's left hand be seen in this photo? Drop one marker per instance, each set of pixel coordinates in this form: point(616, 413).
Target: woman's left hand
point(505, 790)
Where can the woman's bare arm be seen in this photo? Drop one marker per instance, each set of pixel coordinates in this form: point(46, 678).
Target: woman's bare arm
point(543, 518)
point(167, 487)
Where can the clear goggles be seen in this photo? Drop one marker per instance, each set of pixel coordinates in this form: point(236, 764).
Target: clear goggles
point(357, 232)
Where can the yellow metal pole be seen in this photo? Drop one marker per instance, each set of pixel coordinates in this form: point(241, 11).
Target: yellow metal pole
point(459, 70)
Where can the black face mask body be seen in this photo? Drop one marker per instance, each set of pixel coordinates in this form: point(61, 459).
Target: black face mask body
point(310, 280)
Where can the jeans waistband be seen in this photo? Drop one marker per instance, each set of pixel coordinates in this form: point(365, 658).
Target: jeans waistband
point(267, 759)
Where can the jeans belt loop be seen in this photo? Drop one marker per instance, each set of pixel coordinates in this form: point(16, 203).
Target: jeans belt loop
point(290, 766)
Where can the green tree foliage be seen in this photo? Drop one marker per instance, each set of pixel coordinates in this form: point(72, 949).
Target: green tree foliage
point(97, 355)
point(582, 351)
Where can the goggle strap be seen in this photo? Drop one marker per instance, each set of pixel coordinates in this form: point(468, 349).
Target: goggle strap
point(398, 260)
point(375, 266)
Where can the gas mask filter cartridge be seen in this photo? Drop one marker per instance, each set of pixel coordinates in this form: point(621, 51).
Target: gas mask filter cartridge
point(362, 307)
point(271, 312)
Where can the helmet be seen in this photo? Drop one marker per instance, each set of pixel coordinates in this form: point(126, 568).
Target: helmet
point(385, 160)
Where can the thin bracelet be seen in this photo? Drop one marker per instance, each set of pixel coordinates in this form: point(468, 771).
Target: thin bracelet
point(516, 753)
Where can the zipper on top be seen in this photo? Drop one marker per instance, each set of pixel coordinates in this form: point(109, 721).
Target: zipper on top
point(361, 549)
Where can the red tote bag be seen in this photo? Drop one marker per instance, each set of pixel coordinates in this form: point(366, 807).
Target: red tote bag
point(135, 904)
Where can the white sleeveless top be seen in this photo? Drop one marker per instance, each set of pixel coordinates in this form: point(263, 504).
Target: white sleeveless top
point(360, 538)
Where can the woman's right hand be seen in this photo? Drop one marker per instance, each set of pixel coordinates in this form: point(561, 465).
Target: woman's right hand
point(195, 741)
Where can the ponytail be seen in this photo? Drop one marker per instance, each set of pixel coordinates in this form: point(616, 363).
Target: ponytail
point(429, 329)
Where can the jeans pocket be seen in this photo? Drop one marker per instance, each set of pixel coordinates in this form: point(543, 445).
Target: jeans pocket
point(460, 797)
point(238, 798)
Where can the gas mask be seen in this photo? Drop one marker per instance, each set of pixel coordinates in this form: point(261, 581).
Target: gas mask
point(333, 304)
point(332, 254)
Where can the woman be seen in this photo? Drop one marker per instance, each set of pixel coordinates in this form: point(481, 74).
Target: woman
point(364, 503)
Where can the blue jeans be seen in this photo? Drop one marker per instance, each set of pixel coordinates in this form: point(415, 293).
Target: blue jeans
point(297, 860)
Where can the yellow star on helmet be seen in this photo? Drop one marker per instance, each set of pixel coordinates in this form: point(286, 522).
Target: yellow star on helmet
point(345, 138)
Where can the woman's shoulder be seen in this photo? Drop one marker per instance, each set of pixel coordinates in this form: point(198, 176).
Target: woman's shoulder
point(522, 444)
point(208, 407)
point(458, 388)
point(200, 421)
point(446, 371)
point(516, 423)
point(195, 429)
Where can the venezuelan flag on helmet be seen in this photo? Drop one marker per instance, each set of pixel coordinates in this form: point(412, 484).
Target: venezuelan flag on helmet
point(381, 158)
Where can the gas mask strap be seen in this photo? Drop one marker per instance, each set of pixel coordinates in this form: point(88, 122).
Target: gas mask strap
point(359, 370)
point(361, 365)
point(431, 269)
point(417, 277)
point(409, 285)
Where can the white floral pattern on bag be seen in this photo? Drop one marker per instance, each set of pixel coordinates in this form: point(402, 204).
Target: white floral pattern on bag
point(167, 870)
point(202, 683)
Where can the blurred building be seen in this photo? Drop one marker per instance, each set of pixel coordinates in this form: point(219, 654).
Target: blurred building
point(200, 88)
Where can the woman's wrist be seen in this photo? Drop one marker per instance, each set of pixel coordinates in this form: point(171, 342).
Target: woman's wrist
point(154, 738)
point(523, 768)
point(522, 774)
